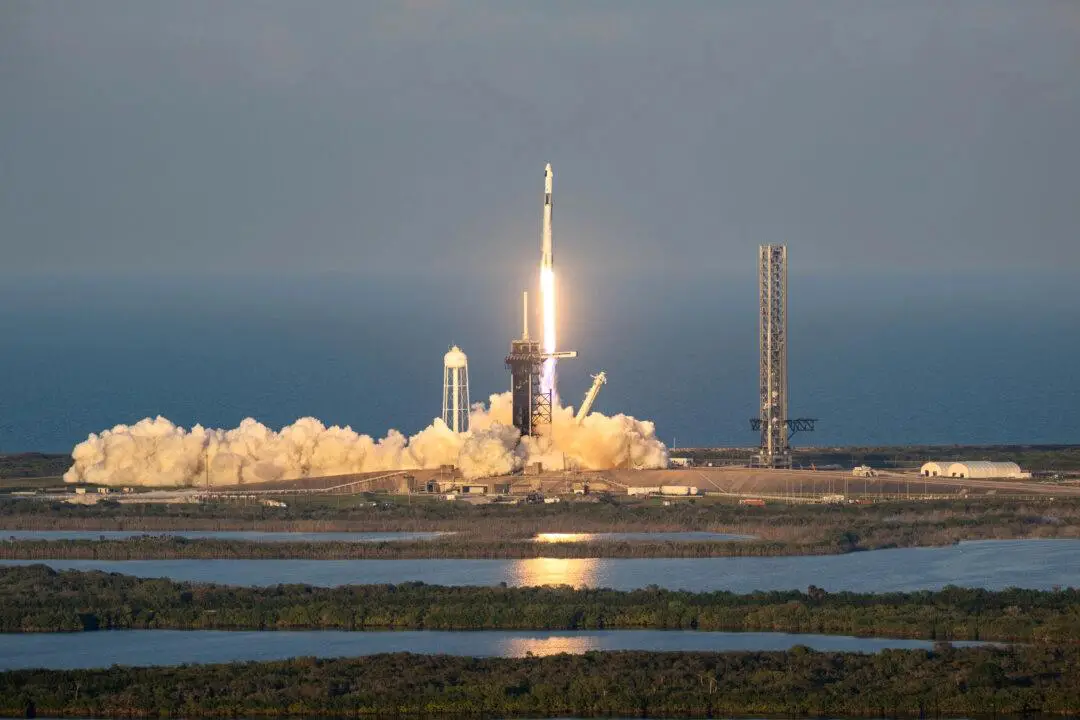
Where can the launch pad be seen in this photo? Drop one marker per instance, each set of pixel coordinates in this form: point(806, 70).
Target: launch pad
point(532, 362)
point(531, 405)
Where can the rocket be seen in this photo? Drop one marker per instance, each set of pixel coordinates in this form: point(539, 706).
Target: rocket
point(547, 289)
point(547, 254)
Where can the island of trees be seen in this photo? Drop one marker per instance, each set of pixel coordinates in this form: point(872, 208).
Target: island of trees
point(500, 531)
point(40, 599)
point(944, 682)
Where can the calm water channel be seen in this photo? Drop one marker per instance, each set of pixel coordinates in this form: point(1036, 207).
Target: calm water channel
point(251, 536)
point(172, 647)
point(351, 536)
point(994, 564)
point(640, 536)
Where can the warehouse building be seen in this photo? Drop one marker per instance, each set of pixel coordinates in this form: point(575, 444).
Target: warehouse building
point(935, 469)
point(978, 469)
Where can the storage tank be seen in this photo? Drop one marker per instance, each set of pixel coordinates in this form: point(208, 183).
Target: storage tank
point(678, 490)
point(455, 411)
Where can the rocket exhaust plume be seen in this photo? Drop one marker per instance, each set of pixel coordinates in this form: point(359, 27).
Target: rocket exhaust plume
point(155, 452)
point(547, 287)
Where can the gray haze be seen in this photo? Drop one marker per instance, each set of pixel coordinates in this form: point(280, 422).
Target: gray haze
point(152, 136)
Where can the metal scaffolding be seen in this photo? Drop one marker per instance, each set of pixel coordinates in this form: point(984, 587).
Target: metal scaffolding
point(773, 357)
point(531, 407)
point(524, 362)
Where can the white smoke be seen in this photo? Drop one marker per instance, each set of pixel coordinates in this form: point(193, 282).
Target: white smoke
point(155, 452)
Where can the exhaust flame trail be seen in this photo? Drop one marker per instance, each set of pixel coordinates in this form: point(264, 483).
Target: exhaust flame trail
point(547, 292)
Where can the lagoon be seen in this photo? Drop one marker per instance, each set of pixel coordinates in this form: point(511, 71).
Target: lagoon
point(172, 647)
point(992, 564)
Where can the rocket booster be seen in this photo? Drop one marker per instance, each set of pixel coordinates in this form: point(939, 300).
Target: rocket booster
point(547, 254)
point(547, 288)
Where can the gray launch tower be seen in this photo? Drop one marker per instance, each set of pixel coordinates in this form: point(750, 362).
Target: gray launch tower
point(531, 406)
point(773, 360)
point(773, 423)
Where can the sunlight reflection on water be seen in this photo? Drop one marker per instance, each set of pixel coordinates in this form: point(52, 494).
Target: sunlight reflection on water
point(577, 572)
point(553, 645)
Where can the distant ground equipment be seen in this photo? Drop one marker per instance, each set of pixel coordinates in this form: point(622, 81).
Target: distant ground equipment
point(864, 471)
point(668, 490)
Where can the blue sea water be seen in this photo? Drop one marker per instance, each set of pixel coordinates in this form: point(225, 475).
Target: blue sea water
point(892, 359)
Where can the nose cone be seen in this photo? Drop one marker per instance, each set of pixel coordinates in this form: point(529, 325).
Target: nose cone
point(547, 169)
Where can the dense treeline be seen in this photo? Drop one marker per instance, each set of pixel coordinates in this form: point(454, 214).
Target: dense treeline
point(945, 682)
point(179, 548)
point(33, 464)
point(39, 599)
point(798, 529)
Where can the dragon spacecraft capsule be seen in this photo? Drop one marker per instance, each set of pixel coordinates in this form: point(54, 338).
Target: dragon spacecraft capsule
point(547, 254)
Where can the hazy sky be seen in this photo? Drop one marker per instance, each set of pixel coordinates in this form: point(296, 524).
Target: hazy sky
point(411, 137)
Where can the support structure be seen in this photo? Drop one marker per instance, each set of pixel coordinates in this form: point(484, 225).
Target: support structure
point(455, 404)
point(524, 362)
point(590, 397)
point(775, 450)
point(531, 407)
point(773, 423)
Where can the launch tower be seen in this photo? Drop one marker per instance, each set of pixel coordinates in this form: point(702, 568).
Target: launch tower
point(772, 364)
point(530, 404)
point(772, 422)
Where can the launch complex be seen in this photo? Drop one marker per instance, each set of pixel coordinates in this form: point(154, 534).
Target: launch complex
point(616, 454)
point(533, 362)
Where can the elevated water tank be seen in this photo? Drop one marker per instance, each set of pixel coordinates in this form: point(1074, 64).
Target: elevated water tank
point(455, 404)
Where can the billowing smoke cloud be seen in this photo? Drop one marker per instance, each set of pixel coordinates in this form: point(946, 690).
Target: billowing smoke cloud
point(155, 452)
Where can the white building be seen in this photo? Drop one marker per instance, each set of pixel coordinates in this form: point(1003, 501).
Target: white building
point(977, 469)
point(935, 469)
point(984, 469)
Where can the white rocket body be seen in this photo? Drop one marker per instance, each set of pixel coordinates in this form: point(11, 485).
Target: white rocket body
point(547, 288)
point(547, 254)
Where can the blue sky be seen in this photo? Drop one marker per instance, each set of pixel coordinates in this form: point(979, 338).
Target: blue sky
point(213, 209)
point(410, 138)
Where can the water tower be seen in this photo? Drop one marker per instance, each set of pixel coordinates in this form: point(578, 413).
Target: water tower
point(455, 403)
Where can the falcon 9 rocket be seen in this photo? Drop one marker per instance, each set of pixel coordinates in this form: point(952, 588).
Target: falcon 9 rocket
point(547, 287)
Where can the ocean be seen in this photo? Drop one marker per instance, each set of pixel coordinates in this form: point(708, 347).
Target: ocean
point(937, 358)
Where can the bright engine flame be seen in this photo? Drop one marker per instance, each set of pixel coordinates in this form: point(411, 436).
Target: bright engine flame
point(547, 294)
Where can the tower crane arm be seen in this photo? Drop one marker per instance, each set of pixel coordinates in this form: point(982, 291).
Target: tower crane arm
point(590, 397)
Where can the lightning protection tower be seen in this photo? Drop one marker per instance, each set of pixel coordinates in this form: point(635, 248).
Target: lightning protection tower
point(455, 404)
point(773, 356)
